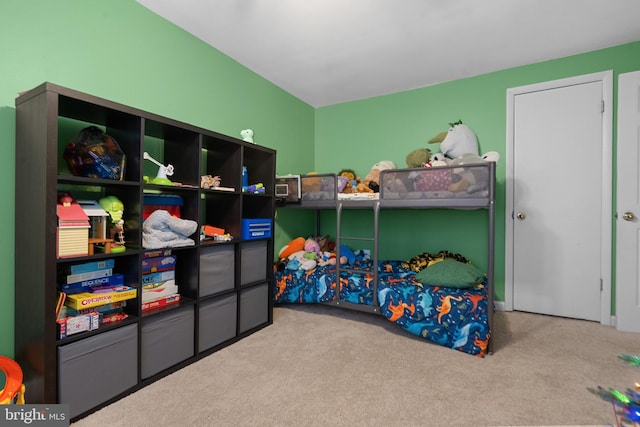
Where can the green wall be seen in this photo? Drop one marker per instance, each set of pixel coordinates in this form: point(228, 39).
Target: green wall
point(359, 134)
point(121, 51)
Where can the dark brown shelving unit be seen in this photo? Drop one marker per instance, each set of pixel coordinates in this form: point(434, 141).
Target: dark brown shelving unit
point(225, 287)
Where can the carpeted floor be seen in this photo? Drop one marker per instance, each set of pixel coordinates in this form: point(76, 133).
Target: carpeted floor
point(323, 366)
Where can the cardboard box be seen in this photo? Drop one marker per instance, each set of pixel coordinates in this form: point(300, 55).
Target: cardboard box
point(148, 280)
point(88, 300)
point(167, 289)
point(76, 324)
point(153, 265)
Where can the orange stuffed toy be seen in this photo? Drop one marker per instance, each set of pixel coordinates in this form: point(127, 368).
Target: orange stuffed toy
point(293, 246)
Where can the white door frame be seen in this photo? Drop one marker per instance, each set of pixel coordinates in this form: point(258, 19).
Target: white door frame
point(606, 77)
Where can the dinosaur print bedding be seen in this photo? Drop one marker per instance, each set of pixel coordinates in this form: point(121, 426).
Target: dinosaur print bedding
point(452, 317)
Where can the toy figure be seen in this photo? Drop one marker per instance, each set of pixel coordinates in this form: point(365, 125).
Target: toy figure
point(163, 171)
point(247, 135)
point(115, 208)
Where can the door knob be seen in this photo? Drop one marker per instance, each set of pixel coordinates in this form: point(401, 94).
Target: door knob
point(521, 215)
point(628, 216)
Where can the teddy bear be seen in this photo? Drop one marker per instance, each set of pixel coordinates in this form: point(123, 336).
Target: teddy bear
point(371, 183)
point(418, 158)
point(347, 181)
point(458, 140)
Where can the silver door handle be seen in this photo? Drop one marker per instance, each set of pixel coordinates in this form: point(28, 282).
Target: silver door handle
point(628, 216)
point(521, 215)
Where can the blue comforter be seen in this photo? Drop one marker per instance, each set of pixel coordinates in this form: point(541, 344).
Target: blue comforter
point(451, 317)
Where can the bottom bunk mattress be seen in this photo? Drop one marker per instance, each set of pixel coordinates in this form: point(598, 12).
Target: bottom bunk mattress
point(452, 317)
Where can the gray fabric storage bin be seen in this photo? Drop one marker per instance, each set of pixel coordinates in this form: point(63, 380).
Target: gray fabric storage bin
point(254, 307)
point(253, 265)
point(217, 321)
point(217, 268)
point(167, 339)
point(97, 368)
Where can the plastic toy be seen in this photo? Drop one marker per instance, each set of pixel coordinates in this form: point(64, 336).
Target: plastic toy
point(115, 208)
point(94, 154)
point(255, 188)
point(13, 390)
point(163, 171)
point(208, 181)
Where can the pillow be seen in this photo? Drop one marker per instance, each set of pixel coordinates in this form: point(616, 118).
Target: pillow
point(450, 273)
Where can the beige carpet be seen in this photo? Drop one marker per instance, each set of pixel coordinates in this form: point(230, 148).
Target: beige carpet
point(323, 366)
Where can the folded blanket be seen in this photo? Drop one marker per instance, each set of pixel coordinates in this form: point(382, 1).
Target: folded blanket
point(161, 230)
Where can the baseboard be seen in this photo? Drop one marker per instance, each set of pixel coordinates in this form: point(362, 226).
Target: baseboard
point(501, 306)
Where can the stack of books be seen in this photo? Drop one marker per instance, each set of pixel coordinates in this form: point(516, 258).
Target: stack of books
point(159, 287)
point(91, 295)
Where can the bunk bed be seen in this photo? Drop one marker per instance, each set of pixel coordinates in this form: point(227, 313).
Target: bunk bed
point(458, 314)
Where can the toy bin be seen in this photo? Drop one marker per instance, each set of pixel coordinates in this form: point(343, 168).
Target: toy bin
point(217, 322)
point(253, 267)
point(217, 267)
point(106, 364)
point(254, 307)
point(167, 339)
point(256, 228)
point(168, 202)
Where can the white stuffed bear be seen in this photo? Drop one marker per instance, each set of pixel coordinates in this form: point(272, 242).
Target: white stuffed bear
point(457, 141)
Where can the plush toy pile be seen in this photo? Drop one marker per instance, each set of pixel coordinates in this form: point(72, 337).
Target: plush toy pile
point(349, 182)
point(307, 254)
point(459, 147)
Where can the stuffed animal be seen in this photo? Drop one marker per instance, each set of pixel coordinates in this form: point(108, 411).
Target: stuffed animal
point(295, 245)
point(458, 140)
point(471, 179)
point(298, 261)
point(418, 158)
point(247, 135)
point(347, 181)
point(346, 252)
point(371, 183)
point(312, 247)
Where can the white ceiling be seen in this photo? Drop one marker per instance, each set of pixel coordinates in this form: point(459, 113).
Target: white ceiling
point(331, 51)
